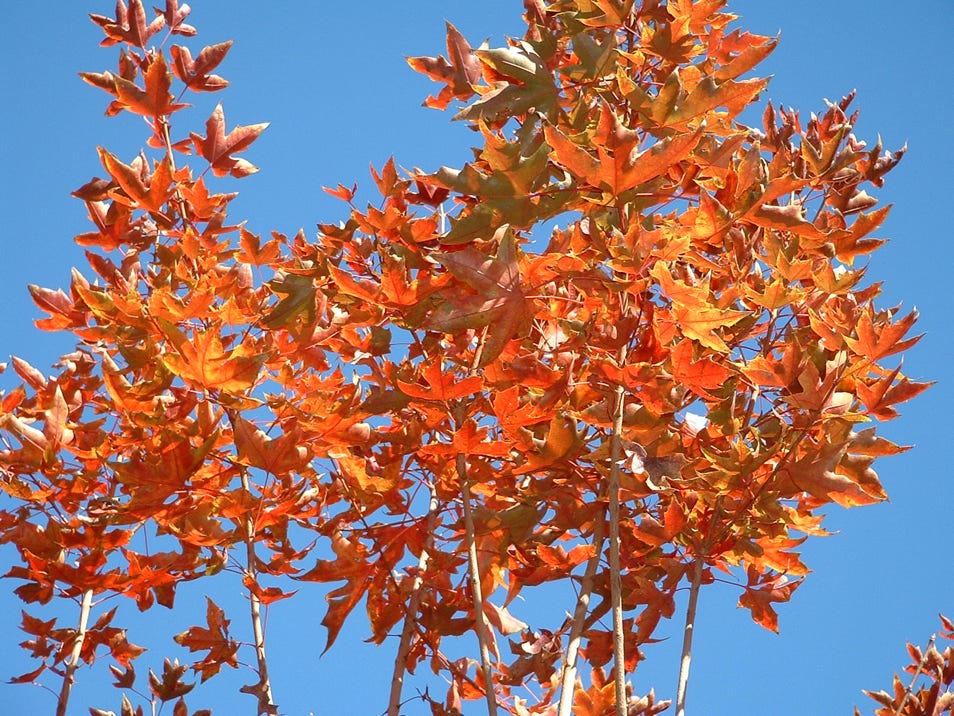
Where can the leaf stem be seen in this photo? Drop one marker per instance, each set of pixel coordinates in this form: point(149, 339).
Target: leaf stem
point(687, 636)
point(69, 675)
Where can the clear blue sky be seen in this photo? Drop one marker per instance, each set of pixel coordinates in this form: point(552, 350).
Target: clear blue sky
point(332, 81)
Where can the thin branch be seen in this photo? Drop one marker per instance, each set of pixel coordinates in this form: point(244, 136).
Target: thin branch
point(266, 703)
point(687, 636)
point(170, 155)
point(917, 675)
point(616, 588)
point(410, 621)
point(68, 676)
point(480, 619)
point(570, 666)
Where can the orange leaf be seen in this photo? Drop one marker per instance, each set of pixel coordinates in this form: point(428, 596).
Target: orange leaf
point(879, 339)
point(758, 600)
point(441, 386)
point(784, 218)
point(700, 376)
point(153, 101)
point(218, 147)
point(277, 456)
point(205, 362)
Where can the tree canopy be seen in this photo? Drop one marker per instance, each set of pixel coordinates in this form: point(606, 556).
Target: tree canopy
point(442, 411)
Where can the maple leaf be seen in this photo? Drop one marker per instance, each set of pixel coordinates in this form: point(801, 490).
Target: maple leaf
point(761, 593)
point(175, 16)
point(692, 311)
point(522, 83)
point(790, 217)
point(440, 385)
point(277, 456)
point(882, 394)
point(152, 100)
point(352, 566)
point(717, 91)
point(252, 252)
point(196, 73)
point(618, 165)
point(218, 147)
point(879, 339)
point(497, 299)
point(459, 75)
point(205, 362)
point(300, 298)
point(702, 375)
point(152, 197)
point(214, 639)
point(129, 25)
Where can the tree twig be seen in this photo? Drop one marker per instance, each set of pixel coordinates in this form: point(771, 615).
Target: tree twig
point(568, 677)
point(616, 589)
point(69, 675)
point(410, 621)
point(480, 619)
point(687, 636)
point(266, 703)
point(917, 675)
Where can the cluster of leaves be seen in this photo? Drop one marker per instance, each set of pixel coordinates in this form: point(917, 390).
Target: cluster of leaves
point(932, 674)
point(438, 411)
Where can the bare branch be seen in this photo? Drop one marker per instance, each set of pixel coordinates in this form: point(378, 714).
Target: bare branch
point(69, 675)
point(687, 636)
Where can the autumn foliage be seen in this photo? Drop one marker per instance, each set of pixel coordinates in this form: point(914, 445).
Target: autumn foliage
point(433, 407)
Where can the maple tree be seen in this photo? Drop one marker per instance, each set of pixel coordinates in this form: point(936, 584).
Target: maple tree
point(436, 410)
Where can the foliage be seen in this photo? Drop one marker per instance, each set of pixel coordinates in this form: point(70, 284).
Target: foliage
point(933, 698)
point(435, 409)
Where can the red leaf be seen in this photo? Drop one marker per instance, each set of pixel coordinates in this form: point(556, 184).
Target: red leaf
point(175, 16)
point(440, 386)
point(218, 147)
point(129, 25)
point(155, 100)
point(759, 596)
point(700, 376)
point(277, 456)
point(196, 73)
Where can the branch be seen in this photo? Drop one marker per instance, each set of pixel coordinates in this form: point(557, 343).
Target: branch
point(568, 677)
point(616, 589)
point(410, 621)
point(687, 637)
point(480, 620)
point(917, 674)
point(263, 689)
point(73, 663)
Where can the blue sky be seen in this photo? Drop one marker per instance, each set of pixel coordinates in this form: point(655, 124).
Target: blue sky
point(332, 81)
